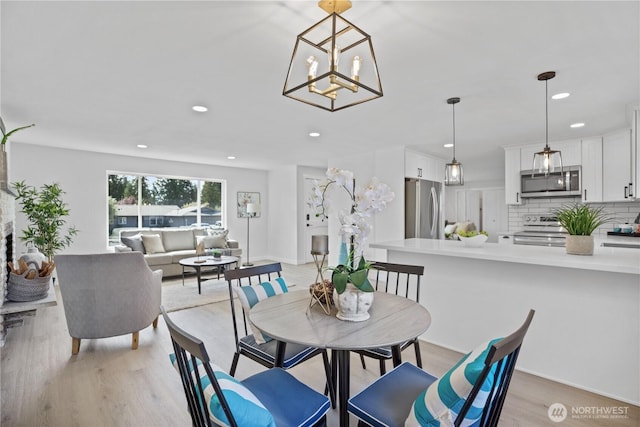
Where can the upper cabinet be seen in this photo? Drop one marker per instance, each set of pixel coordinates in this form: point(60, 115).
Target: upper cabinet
point(618, 167)
point(571, 153)
point(512, 161)
point(423, 166)
point(592, 170)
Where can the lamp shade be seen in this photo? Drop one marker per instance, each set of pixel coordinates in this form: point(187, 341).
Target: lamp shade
point(252, 208)
point(320, 245)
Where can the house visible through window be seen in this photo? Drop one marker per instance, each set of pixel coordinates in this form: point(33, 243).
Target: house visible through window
point(141, 201)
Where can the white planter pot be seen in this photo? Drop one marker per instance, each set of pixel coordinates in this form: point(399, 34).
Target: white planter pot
point(580, 245)
point(353, 304)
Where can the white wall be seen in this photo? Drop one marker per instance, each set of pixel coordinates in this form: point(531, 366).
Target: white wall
point(283, 211)
point(83, 176)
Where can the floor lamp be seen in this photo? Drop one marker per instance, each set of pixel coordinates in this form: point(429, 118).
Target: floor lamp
point(252, 210)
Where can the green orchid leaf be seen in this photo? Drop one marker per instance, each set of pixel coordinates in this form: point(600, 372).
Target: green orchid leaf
point(339, 280)
point(358, 277)
point(366, 286)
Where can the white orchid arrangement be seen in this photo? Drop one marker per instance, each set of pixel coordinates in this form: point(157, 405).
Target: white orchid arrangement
point(355, 227)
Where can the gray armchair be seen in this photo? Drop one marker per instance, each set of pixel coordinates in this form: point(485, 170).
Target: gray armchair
point(106, 295)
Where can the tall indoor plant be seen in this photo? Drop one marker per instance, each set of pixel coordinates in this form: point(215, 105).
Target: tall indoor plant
point(46, 214)
point(580, 221)
point(350, 277)
point(3, 153)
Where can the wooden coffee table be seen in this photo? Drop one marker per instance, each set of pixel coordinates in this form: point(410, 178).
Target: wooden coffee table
point(197, 263)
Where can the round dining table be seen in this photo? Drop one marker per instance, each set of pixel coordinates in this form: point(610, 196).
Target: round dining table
point(290, 318)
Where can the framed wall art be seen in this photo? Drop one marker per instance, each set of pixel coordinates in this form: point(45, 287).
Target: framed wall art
point(245, 198)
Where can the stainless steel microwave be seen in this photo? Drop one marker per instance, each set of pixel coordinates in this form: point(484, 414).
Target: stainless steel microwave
point(557, 184)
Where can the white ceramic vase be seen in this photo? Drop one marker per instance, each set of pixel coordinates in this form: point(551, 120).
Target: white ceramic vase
point(353, 305)
point(34, 257)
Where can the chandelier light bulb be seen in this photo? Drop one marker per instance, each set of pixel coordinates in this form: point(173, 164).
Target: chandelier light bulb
point(355, 67)
point(312, 63)
point(334, 57)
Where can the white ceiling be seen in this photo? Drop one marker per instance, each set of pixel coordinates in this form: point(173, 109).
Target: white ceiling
point(105, 76)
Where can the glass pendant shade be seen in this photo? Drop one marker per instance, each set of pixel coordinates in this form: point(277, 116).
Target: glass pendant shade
point(547, 161)
point(453, 173)
point(333, 66)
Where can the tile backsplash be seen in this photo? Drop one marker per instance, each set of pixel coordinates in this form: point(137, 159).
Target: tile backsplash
point(623, 211)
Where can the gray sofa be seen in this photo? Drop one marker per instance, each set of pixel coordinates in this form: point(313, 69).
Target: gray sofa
point(163, 248)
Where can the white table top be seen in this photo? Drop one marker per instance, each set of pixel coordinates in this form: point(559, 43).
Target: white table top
point(287, 317)
point(208, 261)
point(614, 260)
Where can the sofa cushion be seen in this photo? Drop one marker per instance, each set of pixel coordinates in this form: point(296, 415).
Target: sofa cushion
point(152, 243)
point(134, 242)
point(210, 242)
point(218, 233)
point(162, 258)
point(176, 256)
point(176, 240)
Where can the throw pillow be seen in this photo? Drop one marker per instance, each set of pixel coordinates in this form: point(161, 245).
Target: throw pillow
point(134, 242)
point(440, 403)
point(152, 243)
point(251, 295)
point(245, 406)
point(211, 242)
point(218, 233)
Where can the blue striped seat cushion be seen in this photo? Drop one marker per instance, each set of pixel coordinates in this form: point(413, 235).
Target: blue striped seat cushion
point(251, 295)
point(440, 403)
point(245, 406)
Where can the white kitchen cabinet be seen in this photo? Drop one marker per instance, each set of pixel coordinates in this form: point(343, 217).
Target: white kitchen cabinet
point(618, 161)
point(423, 166)
point(592, 170)
point(512, 161)
point(570, 150)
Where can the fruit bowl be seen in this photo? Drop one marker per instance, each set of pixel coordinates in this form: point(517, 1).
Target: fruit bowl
point(475, 241)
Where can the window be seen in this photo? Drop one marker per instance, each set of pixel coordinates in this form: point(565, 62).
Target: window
point(137, 201)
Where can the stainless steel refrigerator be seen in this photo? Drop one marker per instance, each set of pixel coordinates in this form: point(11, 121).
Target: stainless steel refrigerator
point(422, 208)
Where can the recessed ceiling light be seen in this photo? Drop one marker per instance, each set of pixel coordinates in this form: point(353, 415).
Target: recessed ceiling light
point(448, 145)
point(231, 157)
point(141, 146)
point(314, 134)
point(562, 95)
point(577, 125)
point(200, 108)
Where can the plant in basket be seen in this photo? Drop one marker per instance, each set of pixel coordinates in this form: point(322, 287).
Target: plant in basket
point(46, 212)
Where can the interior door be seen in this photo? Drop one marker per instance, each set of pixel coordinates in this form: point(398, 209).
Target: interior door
point(313, 225)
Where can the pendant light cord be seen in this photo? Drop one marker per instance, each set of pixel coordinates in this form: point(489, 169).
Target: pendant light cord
point(546, 112)
point(454, 133)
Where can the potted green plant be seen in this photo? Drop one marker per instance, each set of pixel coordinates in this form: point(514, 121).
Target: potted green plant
point(217, 253)
point(46, 212)
point(3, 159)
point(580, 221)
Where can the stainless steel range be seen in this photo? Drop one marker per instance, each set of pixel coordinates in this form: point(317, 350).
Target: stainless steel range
point(540, 230)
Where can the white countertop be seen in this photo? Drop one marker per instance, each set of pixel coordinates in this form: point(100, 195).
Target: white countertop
point(616, 260)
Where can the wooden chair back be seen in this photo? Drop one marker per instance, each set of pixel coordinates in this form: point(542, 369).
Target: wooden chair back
point(188, 351)
point(247, 277)
point(504, 354)
point(400, 279)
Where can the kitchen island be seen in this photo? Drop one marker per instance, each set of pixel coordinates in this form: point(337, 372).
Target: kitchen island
point(586, 331)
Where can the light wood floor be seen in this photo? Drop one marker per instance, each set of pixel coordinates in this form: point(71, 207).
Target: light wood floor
point(108, 384)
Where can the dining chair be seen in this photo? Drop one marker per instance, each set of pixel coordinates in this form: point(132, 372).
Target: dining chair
point(251, 285)
point(472, 392)
point(269, 398)
point(402, 280)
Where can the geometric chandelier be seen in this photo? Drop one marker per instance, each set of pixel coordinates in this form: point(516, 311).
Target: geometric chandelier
point(333, 65)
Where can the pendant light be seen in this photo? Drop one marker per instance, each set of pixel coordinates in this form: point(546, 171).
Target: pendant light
point(453, 174)
point(547, 161)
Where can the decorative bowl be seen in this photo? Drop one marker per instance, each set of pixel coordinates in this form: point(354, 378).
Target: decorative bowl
point(473, 242)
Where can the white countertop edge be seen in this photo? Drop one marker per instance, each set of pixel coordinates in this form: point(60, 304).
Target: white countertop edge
point(615, 260)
